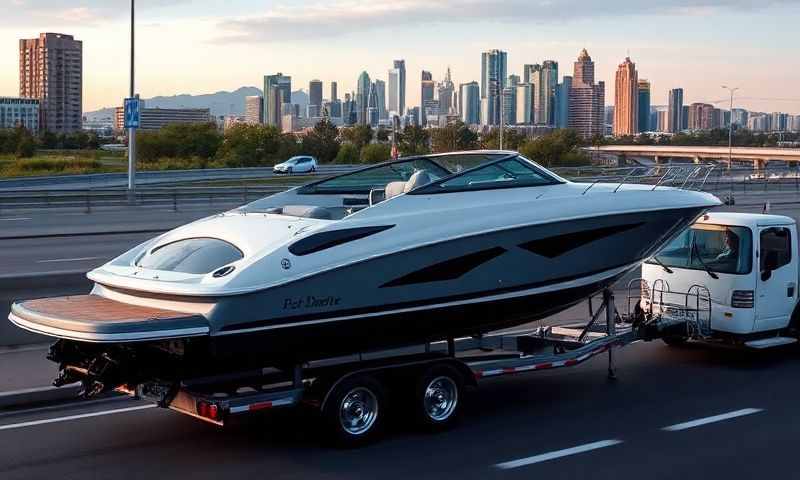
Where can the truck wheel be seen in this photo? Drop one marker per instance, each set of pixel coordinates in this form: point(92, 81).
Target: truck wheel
point(674, 340)
point(438, 398)
point(354, 412)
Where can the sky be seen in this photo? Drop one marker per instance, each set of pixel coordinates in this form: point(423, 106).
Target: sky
point(203, 46)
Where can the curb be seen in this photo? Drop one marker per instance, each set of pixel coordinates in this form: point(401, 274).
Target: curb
point(31, 396)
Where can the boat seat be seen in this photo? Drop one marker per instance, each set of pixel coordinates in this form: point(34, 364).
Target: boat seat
point(305, 211)
point(393, 189)
point(419, 179)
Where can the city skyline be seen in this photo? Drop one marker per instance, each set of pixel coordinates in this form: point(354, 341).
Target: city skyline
point(668, 60)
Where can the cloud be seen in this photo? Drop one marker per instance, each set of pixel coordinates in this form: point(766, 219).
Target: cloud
point(341, 17)
point(83, 12)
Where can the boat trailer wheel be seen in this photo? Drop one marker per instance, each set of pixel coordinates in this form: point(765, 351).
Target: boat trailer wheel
point(441, 398)
point(358, 411)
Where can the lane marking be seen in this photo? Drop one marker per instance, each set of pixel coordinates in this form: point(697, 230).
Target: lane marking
point(544, 457)
point(74, 417)
point(20, 219)
point(716, 418)
point(80, 259)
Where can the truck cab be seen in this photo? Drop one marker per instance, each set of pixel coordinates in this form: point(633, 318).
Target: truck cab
point(747, 263)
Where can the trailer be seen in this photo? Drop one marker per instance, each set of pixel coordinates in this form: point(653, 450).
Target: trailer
point(351, 393)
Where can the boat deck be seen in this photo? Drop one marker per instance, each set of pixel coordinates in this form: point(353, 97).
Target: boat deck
point(93, 318)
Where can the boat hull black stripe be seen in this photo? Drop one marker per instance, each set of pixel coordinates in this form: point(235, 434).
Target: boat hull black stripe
point(447, 270)
point(325, 240)
point(553, 247)
point(406, 305)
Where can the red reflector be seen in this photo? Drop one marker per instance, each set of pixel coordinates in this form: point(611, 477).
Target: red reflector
point(260, 406)
point(213, 412)
point(202, 409)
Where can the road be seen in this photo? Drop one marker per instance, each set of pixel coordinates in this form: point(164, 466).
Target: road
point(522, 419)
point(554, 424)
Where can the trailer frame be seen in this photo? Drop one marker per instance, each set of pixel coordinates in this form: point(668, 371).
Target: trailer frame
point(222, 398)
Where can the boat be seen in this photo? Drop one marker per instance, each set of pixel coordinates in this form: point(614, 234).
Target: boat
point(409, 251)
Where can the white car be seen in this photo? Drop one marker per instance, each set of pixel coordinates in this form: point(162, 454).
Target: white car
point(300, 164)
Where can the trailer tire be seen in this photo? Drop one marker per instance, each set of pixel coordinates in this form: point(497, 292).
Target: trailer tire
point(354, 412)
point(674, 340)
point(438, 398)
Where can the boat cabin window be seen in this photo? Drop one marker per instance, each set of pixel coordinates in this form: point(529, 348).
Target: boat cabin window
point(722, 249)
point(364, 181)
point(510, 172)
point(193, 255)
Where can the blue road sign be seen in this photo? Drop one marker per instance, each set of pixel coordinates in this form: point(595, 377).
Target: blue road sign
point(132, 113)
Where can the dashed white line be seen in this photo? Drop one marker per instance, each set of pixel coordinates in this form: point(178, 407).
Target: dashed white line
point(80, 259)
point(74, 417)
point(544, 457)
point(716, 418)
point(20, 219)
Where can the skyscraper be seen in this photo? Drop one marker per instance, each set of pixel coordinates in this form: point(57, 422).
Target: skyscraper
point(525, 104)
point(547, 92)
point(380, 99)
point(469, 102)
point(397, 87)
point(362, 97)
point(373, 112)
point(334, 91)
point(562, 102)
point(626, 99)
point(494, 72)
point(644, 106)
point(426, 95)
point(445, 92)
point(675, 119)
point(314, 98)
point(531, 72)
point(509, 105)
point(273, 102)
point(586, 99)
point(51, 70)
point(254, 110)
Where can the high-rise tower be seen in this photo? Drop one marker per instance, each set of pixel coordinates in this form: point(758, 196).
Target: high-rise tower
point(586, 99)
point(494, 72)
point(51, 70)
point(626, 99)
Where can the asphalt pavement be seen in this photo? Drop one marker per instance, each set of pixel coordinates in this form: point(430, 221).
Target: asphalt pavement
point(730, 411)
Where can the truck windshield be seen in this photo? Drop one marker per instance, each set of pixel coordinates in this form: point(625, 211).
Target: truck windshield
point(722, 249)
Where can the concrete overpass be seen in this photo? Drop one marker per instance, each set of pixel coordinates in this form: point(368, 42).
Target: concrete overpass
point(662, 154)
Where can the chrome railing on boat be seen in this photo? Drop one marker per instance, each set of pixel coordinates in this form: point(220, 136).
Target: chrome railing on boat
point(685, 177)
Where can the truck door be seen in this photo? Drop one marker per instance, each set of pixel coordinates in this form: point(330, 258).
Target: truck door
point(776, 288)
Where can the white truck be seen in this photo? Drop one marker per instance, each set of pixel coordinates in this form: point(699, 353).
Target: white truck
point(737, 272)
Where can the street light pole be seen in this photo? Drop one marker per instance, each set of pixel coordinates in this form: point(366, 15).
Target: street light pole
point(730, 128)
point(132, 131)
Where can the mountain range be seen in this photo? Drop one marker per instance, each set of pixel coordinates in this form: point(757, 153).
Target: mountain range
point(220, 103)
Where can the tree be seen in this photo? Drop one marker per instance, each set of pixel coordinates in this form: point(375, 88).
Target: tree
point(348, 154)
point(414, 140)
point(358, 135)
point(558, 149)
point(253, 145)
point(382, 135)
point(322, 142)
point(25, 143)
point(375, 153)
point(512, 139)
point(454, 137)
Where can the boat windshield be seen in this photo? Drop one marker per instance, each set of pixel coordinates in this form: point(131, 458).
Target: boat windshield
point(721, 249)
point(509, 171)
point(363, 181)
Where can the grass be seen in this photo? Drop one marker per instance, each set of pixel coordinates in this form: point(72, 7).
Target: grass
point(61, 163)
